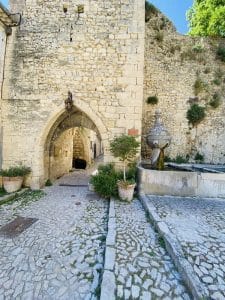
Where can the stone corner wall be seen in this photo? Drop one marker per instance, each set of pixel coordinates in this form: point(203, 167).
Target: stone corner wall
point(173, 64)
point(98, 55)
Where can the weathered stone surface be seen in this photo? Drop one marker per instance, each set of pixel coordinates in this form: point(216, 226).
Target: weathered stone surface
point(198, 224)
point(150, 273)
point(59, 257)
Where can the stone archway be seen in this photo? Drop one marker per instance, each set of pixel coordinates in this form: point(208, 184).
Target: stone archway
point(54, 120)
point(59, 147)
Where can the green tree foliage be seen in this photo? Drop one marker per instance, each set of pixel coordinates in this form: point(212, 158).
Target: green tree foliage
point(124, 147)
point(207, 18)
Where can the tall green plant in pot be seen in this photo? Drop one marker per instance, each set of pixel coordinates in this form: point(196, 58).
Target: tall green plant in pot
point(125, 147)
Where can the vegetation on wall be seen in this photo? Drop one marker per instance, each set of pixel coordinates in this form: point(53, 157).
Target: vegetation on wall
point(152, 100)
point(159, 36)
point(206, 18)
point(215, 101)
point(195, 114)
point(150, 9)
point(199, 157)
point(221, 53)
point(199, 86)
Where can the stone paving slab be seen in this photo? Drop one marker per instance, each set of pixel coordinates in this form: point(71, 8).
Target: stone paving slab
point(143, 270)
point(199, 226)
point(61, 255)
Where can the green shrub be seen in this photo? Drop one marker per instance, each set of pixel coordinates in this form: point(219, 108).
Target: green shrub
point(218, 76)
point(2, 192)
point(167, 159)
point(48, 182)
point(215, 101)
point(198, 48)
point(179, 159)
point(195, 114)
point(198, 86)
point(216, 81)
point(159, 36)
point(199, 157)
point(221, 53)
point(207, 70)
point(152, 100)
point(105, 182)
point(15, 171)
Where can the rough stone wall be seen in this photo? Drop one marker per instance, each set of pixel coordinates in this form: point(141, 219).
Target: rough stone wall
point(61, 160)
point(2, 61)
point(99, 57)
point(172, 64)
point(78, 146)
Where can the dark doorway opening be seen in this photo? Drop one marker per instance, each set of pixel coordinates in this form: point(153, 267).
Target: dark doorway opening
point(79, 163)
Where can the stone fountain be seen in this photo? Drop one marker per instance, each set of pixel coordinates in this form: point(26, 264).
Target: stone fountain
point(158, 139)
point(183, 180)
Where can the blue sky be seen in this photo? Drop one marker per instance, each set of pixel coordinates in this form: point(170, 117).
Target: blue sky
point(175, 10)
point(4, 2)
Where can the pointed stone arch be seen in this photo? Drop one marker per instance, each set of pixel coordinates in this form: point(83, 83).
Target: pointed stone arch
point(59, 121)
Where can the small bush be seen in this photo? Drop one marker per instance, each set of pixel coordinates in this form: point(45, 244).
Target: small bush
point(15, 171)
point(159, 36)
point(105, 182)
point(215, 101)
point(207, 70)
point(218, 73)
point(167, 159)
point(221, 53)
point(48, 182)
point(198, 48)
point(195, 114)
point(180, 159)
point(218, 76)
point(2, 192)
point(198, 86)
point(216, 81)
point(152, 100)
point(199, 157)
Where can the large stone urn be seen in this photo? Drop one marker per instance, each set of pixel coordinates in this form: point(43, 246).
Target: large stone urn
point(158, 138)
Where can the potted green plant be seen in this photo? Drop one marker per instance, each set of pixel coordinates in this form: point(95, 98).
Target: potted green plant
point(125, 147)
point(13, 178)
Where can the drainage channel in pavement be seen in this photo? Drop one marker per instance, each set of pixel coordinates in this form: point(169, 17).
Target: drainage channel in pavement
point(137, 265)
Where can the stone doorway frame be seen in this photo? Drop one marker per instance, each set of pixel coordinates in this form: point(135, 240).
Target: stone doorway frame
point(90, 118)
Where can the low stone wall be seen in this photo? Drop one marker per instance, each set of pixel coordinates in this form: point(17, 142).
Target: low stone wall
point(180, 183)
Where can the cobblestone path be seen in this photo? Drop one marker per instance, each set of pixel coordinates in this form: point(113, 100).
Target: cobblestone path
point(199, 225)
point(143, 270)
point(61, 255)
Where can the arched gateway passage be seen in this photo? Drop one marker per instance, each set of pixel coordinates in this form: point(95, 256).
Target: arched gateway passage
point(73, 141)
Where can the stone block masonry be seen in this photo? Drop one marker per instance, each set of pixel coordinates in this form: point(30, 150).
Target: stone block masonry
point(172, 66)
point(98, 55)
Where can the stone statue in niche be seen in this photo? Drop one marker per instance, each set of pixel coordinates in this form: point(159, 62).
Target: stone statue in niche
point(69, 102)
point(158, 138)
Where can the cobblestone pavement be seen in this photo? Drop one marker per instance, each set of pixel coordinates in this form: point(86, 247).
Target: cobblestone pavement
point(61, 255)
point(143, 269)
point(199, 225)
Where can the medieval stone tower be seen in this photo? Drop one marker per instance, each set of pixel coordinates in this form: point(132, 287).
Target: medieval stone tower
point(91, 49)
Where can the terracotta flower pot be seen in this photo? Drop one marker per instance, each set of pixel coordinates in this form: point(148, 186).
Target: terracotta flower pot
point(126, 191)
point(12, 184)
